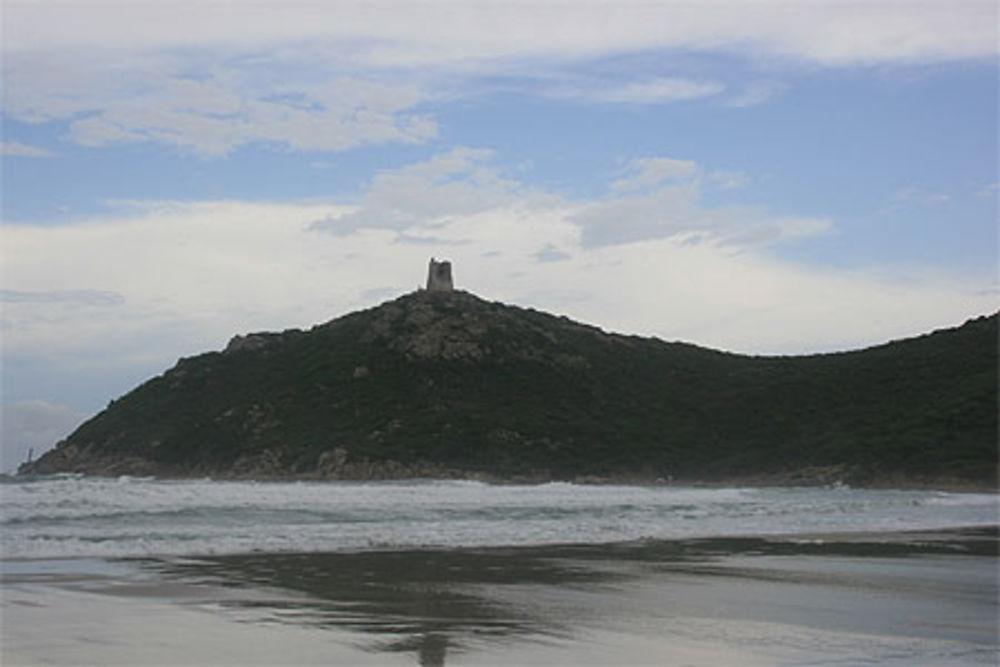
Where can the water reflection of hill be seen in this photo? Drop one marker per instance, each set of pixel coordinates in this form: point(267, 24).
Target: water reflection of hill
point(435, 603)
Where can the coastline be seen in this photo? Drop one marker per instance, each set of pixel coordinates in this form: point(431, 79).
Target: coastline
point(390, 470)
point(904, 598)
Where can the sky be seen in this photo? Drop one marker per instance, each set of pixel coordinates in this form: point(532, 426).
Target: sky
point(762, 177)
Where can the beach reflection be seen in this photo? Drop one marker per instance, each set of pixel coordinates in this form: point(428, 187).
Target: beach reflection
point(434, 605)
point(423, 602)
point(431, 648)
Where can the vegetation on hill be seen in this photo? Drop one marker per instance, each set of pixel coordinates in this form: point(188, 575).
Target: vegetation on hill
point(444, 383)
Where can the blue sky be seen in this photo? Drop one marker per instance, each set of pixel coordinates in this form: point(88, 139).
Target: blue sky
point(766, 177)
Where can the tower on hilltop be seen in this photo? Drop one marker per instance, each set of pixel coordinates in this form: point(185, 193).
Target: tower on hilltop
point(439, 276)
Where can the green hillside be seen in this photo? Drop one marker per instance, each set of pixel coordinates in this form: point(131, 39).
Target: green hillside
point(446, 383)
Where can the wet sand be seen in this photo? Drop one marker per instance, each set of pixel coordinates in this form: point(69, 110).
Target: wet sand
point(922, 598)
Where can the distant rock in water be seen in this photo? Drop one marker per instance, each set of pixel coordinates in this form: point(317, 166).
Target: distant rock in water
point(440, 383)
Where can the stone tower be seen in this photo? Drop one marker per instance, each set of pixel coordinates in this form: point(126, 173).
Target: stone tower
point(439, 276)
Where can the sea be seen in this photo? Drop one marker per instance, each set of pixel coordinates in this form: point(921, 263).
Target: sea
point(75, 516)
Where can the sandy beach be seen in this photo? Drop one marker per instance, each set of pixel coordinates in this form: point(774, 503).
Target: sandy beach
point(918, 598)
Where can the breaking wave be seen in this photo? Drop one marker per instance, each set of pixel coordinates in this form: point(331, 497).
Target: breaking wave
point(74, 516)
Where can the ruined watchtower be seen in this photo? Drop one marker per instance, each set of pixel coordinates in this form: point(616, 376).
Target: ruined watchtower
point(439, 276)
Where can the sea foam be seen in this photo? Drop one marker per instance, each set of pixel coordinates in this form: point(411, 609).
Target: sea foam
point(72, 516)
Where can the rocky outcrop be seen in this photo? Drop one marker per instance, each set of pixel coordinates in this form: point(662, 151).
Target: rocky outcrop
point(458, 326)
point(71, 457)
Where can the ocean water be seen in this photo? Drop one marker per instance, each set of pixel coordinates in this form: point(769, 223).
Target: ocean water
point(72, 516)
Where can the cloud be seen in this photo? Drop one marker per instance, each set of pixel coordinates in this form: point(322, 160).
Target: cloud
point(212, 110)
point(650, 91)
point(16, 149)
point(988, 190)
point(756, 93)
point(550, 253)
point(428, 240)
point(461, 35)
point(729, 180)
point(454, 184)
point(662, 198)
point(33, 425)
point(707, 294)
point(913, 196)
point(646, 172)
point(378, 293)
point(85, 297)
point(212, 78)
point(656, 197)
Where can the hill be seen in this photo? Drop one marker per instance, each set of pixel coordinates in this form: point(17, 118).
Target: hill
point(447, 384)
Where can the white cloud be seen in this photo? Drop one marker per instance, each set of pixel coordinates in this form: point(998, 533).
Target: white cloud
point(753, 303)
point(647, 172)
point(756, 93)
point(156, 99)
point(662, 198)
point(664, 212)
point(729, 180)
point(340, 75)
point(550, 253)
point(831, 32)
point(989, 190)
point(651, 91)
point(86, 297)
point(914, 196)
point(17, 149)
point(453, 184)
point(656, 197)
point(33, 426)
